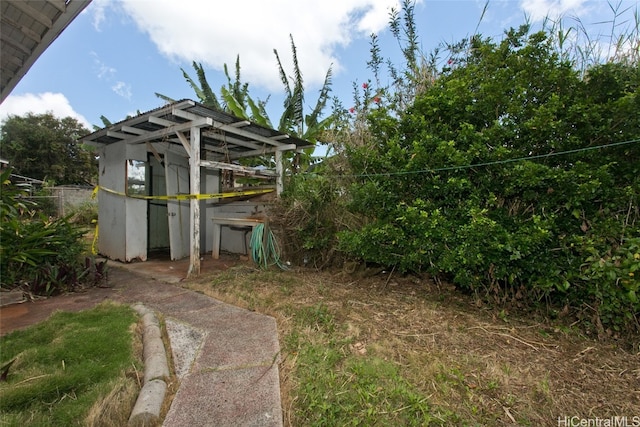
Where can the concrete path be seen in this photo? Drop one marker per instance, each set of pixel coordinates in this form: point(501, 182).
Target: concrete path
point(226, 357)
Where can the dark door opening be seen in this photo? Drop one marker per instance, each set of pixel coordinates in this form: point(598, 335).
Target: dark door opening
point(157, 224)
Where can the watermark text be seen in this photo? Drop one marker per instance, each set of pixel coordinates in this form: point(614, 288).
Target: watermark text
point(576, 421)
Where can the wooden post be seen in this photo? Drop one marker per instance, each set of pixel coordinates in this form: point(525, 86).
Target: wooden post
point(194, 164)
point(280, 166)
point(279, 173)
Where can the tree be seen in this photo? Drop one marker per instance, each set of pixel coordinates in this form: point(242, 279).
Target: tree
point(44, 147)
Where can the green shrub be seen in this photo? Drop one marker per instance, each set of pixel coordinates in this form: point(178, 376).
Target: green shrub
point(468, 184)
point(38, 254)
point(610, 278)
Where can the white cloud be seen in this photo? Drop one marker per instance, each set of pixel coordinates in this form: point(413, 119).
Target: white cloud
point(103, 71)
point(108, 74)
point(538, 10)
point(122, 89)
point(214, 33)
point(41, 103)
point(98, 8)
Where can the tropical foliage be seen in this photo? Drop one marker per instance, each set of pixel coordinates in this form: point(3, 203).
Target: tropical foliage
point(235, 98)
point(38, 254)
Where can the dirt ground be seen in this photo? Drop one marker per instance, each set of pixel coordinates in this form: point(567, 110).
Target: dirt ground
point(488, 366)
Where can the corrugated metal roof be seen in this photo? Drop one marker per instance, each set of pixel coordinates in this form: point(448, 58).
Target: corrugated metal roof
point(27, 29)
point(224, 135)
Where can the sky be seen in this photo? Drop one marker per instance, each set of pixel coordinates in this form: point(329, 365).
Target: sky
point(117, 54)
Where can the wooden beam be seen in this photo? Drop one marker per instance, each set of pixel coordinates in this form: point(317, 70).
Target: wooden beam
point(155, 152)
point(265, 150)
point(224, 155)
point(131, 129)
point(22, 48)
point(228, 166)
point(280, 137)
point(34, 13)
point(15, 61)
point(119, 135)
point(160, 121)
point(185, 143)
point(245, 133)
point(28, 32)
point(229, 128)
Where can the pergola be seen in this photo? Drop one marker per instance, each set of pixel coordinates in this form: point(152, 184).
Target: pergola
point(26, 31)
point(209, 138)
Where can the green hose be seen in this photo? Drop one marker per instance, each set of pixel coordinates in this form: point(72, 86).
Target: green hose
point(264, 248)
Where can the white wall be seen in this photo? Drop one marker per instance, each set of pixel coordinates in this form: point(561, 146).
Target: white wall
point(135, 212)
point(111, 207)
point(122, 221)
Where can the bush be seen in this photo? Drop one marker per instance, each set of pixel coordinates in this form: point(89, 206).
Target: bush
point(38, 254)
point(308, 216)
point(469, 187)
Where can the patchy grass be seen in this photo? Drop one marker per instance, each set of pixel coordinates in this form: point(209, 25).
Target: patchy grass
point(73, 369)
point(389, 351)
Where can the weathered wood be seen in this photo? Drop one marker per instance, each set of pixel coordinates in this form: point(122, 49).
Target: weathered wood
point(280, 167)
point(228, 166)
point(279, 173)
point(185, 143)
point(194, 163)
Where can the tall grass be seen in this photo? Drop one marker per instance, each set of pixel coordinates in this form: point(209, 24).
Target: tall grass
point(616, 38)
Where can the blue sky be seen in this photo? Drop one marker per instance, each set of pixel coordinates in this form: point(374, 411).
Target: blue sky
point(116, 54)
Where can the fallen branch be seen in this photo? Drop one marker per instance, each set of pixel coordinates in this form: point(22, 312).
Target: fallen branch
point(507, 336)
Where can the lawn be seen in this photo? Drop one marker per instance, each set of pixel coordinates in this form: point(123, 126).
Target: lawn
point(386, 350)
point(73, 369)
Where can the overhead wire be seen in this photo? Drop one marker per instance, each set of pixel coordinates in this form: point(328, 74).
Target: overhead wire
point(484, 164)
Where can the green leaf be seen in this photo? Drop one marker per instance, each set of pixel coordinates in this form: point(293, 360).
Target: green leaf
point(232, 103)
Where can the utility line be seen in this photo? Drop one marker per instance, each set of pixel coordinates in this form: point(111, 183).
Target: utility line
point(496, 162)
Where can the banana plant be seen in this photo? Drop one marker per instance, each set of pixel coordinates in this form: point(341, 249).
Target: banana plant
point(236, 99)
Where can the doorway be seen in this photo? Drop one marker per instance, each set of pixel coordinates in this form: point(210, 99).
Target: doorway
point(158, 226)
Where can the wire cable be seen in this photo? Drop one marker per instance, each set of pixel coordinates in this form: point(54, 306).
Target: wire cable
point(496, 162)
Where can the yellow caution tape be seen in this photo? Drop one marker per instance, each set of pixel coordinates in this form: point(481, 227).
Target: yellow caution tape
point(94, 244)
point(189, 196)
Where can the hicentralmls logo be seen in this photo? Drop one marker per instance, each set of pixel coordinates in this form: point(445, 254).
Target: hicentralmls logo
point(576, 421)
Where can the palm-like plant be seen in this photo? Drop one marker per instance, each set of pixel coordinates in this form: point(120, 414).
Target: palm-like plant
point(236, 99)
point(293, 120)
